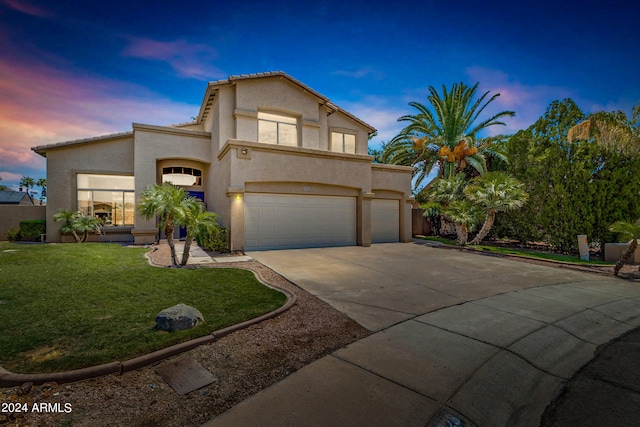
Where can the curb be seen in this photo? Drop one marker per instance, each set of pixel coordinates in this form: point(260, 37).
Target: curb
point(10, 379)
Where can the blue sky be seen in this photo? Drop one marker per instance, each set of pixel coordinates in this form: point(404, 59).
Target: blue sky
point(76, 69)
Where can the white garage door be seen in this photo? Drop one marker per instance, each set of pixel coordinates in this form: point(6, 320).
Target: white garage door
point(385, 221)
point(280, 221)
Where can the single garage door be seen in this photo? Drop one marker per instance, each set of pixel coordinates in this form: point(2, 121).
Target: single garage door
point(385, 221)
point(281, 221)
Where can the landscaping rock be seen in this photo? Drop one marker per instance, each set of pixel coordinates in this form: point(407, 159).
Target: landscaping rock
point(178, 318)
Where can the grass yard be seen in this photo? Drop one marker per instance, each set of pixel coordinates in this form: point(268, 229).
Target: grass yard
point(524, 253)
point(69, 306)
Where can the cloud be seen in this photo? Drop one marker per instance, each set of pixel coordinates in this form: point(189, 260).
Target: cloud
point(40, 104)
point(528, 102)
point(25, 7)
point(361, 73)
point(191, 60)
point(380, 112)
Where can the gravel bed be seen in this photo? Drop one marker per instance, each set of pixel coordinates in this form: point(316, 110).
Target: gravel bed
point(243, 363)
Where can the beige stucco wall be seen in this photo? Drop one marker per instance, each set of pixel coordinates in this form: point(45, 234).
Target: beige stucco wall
point(11, 215)
point(108, 156)
point(154, 144)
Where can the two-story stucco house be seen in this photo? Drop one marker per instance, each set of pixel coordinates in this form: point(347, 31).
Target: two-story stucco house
point(280, 164)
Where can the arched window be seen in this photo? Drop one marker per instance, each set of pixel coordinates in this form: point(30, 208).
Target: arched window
point(178, 175)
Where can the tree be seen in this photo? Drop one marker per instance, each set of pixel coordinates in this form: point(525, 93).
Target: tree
point(76, 222)
point(576, 185)
point(27, 182)
point(167, 202)
point(42, 183)
point(627, 231)
point(446, 134)
point(495, 192)
point(3, 187)
point(449, 192)
point(198, 221)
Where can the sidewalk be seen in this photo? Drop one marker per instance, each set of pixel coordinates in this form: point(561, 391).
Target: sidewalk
point(492, 350)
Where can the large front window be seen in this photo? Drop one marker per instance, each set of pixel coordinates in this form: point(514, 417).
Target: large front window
point(110, 198)
point(277, 129)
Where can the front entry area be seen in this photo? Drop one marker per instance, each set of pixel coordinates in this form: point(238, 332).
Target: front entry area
point(284, 221)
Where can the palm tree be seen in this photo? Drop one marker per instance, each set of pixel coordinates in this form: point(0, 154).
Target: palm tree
point(68, 216)
point(612, 130)
point(445, 135)
point(449, 192)
point(495, 192)
point(198, 221)
point(627, 231)
point(27, 182)
point(42, 183)
point(465, 215)
point(84, 224)
point(167, 202)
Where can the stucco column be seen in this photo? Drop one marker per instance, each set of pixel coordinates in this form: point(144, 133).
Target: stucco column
point(364, 219)
point(236, 220)
point(406, 204)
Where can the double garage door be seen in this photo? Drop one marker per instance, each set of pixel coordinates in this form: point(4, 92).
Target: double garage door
point(282, 221)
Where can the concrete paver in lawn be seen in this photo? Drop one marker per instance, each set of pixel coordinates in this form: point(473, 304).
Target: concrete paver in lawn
point(458, 338)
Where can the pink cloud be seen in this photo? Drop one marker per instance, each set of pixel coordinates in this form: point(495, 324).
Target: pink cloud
point(528, 102)
point(41, 105)
point(192, 60)
point(25, 7)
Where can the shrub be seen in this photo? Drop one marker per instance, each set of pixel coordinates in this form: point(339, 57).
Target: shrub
point(13, 234)
point(217, 241)
point(31, 229)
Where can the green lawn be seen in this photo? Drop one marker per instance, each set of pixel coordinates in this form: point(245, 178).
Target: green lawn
point(70, 306)
point(523, 253)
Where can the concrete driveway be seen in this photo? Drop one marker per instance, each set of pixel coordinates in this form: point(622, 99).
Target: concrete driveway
point(460, 339)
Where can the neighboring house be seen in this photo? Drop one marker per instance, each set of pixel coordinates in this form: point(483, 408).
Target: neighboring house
point(18, 198)
point(280, 164)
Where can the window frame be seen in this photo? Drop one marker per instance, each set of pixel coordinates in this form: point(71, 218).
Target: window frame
point(288, 120)
point(121, 208)
point(343, 133)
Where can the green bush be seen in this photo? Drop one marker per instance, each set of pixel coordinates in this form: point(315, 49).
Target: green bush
point(13, 234)
point(31, 229)
point(217, 241)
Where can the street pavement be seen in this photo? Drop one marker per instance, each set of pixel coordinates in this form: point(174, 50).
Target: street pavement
point(459, 339)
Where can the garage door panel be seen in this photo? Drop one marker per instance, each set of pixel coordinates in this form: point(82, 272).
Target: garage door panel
point(385, 221)
point(297, 221)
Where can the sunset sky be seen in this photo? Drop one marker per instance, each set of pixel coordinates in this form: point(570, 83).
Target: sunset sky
point(77, 69)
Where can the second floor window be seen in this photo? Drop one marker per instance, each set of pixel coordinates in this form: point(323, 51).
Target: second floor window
point(343, 142)
point(277, 129)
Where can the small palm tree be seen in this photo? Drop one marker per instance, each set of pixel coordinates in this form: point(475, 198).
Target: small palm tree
point(627, 231)
point(495, 192)
point(465, 215)
point(455, 207)
point(84, 224)
point(443, 135)
point(198, 221)
point(68, 216)
point(167, 202)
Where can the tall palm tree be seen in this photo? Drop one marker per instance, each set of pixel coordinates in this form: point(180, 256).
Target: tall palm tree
point(627, 231)
point(42, 183)
point(445, 135)
point(27, 182)
point(494, 192)
point(198, 221)
point(167, 202)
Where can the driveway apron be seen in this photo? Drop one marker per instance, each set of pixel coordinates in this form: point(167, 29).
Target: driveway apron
point(458, 338)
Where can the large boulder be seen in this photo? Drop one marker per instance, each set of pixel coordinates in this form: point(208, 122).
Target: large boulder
point(178, 318)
